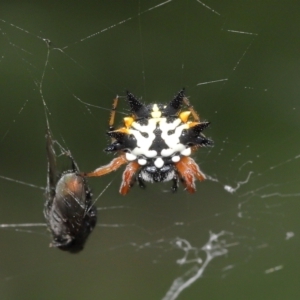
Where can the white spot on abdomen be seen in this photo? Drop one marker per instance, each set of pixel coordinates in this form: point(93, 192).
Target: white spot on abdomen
point(130, 156)
point(186, 152)
point(167, 152)
point(158, 162)
point(142, 161)
point(176, 158)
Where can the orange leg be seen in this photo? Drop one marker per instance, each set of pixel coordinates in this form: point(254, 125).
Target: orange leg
point(112, 114)
point(112, 166)
point(188, 170)
point(130, 170)
point(191, 109)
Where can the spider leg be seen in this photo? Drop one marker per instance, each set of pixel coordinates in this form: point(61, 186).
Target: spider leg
point(188, 170)
point(133, 181)
point(129, 172)
point(112, 166)
point(112, 114)
point(191, 109)
point(175, 184)
point(141, 181)
point(135, 178)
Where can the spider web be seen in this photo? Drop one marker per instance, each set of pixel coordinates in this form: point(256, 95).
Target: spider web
point(238, 63)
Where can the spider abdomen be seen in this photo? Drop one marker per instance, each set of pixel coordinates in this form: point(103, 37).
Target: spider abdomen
point(158, 140)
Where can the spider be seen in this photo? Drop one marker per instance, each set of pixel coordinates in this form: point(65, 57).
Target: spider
point(68, 210)
point(156, 143)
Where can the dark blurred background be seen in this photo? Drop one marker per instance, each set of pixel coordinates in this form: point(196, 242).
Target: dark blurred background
point(239, 62)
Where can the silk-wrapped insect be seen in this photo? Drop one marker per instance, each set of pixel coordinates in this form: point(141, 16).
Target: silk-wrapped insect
point(69, 211)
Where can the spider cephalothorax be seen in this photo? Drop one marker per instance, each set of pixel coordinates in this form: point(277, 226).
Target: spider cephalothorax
point(156, 142)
